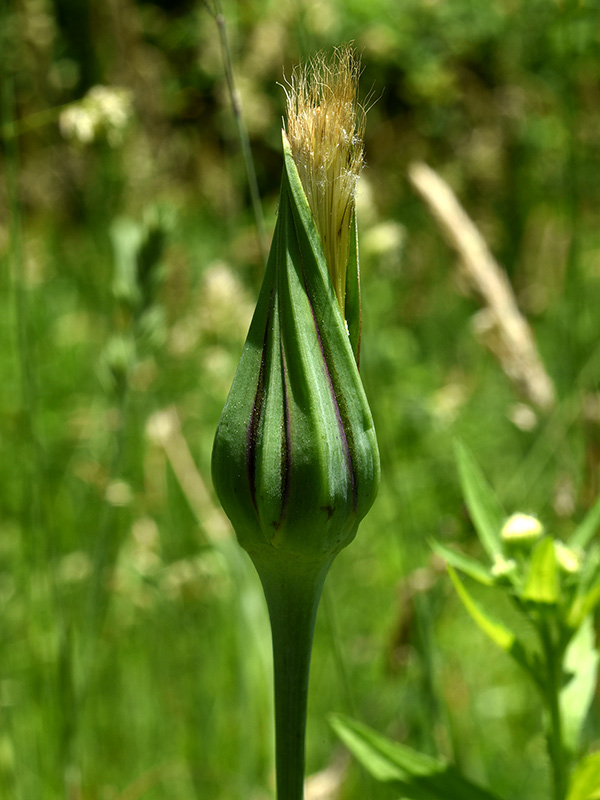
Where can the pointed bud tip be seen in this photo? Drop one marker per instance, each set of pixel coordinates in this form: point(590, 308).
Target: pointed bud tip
point(325, 129)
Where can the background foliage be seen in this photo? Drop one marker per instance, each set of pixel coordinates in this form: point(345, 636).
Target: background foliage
point(134, 651)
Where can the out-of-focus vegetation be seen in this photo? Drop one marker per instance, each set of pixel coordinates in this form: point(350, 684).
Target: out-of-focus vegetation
point(134, 649)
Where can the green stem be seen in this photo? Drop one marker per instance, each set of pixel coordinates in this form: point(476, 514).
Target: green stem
point(556, 748)
point(292, 595)
point(236, 103)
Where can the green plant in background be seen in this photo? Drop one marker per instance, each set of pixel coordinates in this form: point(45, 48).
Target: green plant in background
point(555, 587)
point(295, 459)
point(139, 330)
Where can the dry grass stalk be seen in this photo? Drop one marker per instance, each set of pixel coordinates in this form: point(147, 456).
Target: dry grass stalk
point(164, 430)
point(500, 325)
point(327, 784)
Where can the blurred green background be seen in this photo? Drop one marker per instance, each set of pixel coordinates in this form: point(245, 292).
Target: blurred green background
point(134, 649)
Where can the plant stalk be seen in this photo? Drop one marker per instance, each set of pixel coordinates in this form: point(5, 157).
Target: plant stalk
point(216, 12)
point(292, 596)
point(556, 748)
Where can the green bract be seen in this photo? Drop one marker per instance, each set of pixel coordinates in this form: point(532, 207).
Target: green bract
point(295, 461)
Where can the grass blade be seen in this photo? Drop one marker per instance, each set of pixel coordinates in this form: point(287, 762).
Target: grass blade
point(487, 513)
point(497, 632)
point(470, 566)
point(585, 532)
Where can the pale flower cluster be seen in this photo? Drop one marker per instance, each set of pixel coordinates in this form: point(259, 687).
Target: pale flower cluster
point(104, 113)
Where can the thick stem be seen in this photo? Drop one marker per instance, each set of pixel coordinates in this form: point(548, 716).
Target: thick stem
point(292, 591)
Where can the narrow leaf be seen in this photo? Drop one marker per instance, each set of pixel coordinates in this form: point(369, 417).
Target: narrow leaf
point(585, 780)
point(415, 775)
point(590, 567)
point(583, 605)
point(497, 632)
point(470, 566)
point(542, 581)
point(581, 662)
point(584, 533)
point(588, 587)
point(487, 513)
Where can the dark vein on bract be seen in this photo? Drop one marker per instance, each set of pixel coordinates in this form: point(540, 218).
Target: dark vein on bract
point(285, 434)
point(252, 433)
point(336, 404)
point(284, 213)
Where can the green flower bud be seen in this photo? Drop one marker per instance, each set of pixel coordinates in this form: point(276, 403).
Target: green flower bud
point(295, 460)
point(568, 559)
point(521, 529)
point(502, 567)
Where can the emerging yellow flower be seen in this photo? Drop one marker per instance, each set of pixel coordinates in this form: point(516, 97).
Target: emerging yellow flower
point(325, 128)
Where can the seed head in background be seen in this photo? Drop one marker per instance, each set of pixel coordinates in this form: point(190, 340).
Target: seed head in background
point(295, 460)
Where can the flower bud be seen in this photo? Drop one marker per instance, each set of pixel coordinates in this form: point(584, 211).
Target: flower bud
point(295, 459)
point(502, 567)
point(568, 559)
point(521, 529)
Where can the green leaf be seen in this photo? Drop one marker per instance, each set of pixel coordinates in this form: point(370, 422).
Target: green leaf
point(588, 589)
point(126, 238)
point(584, 605)
point(497, 632)
point(542, 581)
point(487, 513)
point(470, 566)
point(585, 780)
point(413, 774)
point(584, 533)
point(581, 662)
point(590, 568)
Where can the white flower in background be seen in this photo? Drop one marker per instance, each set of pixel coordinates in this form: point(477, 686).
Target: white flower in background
point(104, 113)
point(77, 123)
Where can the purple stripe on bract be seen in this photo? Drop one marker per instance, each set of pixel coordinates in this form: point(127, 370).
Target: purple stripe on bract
point(255, 415)
point(328, 373)
point(286, 434)
point(337, 410)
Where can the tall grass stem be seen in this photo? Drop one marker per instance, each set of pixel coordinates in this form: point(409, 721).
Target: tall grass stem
point(32, 503)
point(217, 13)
